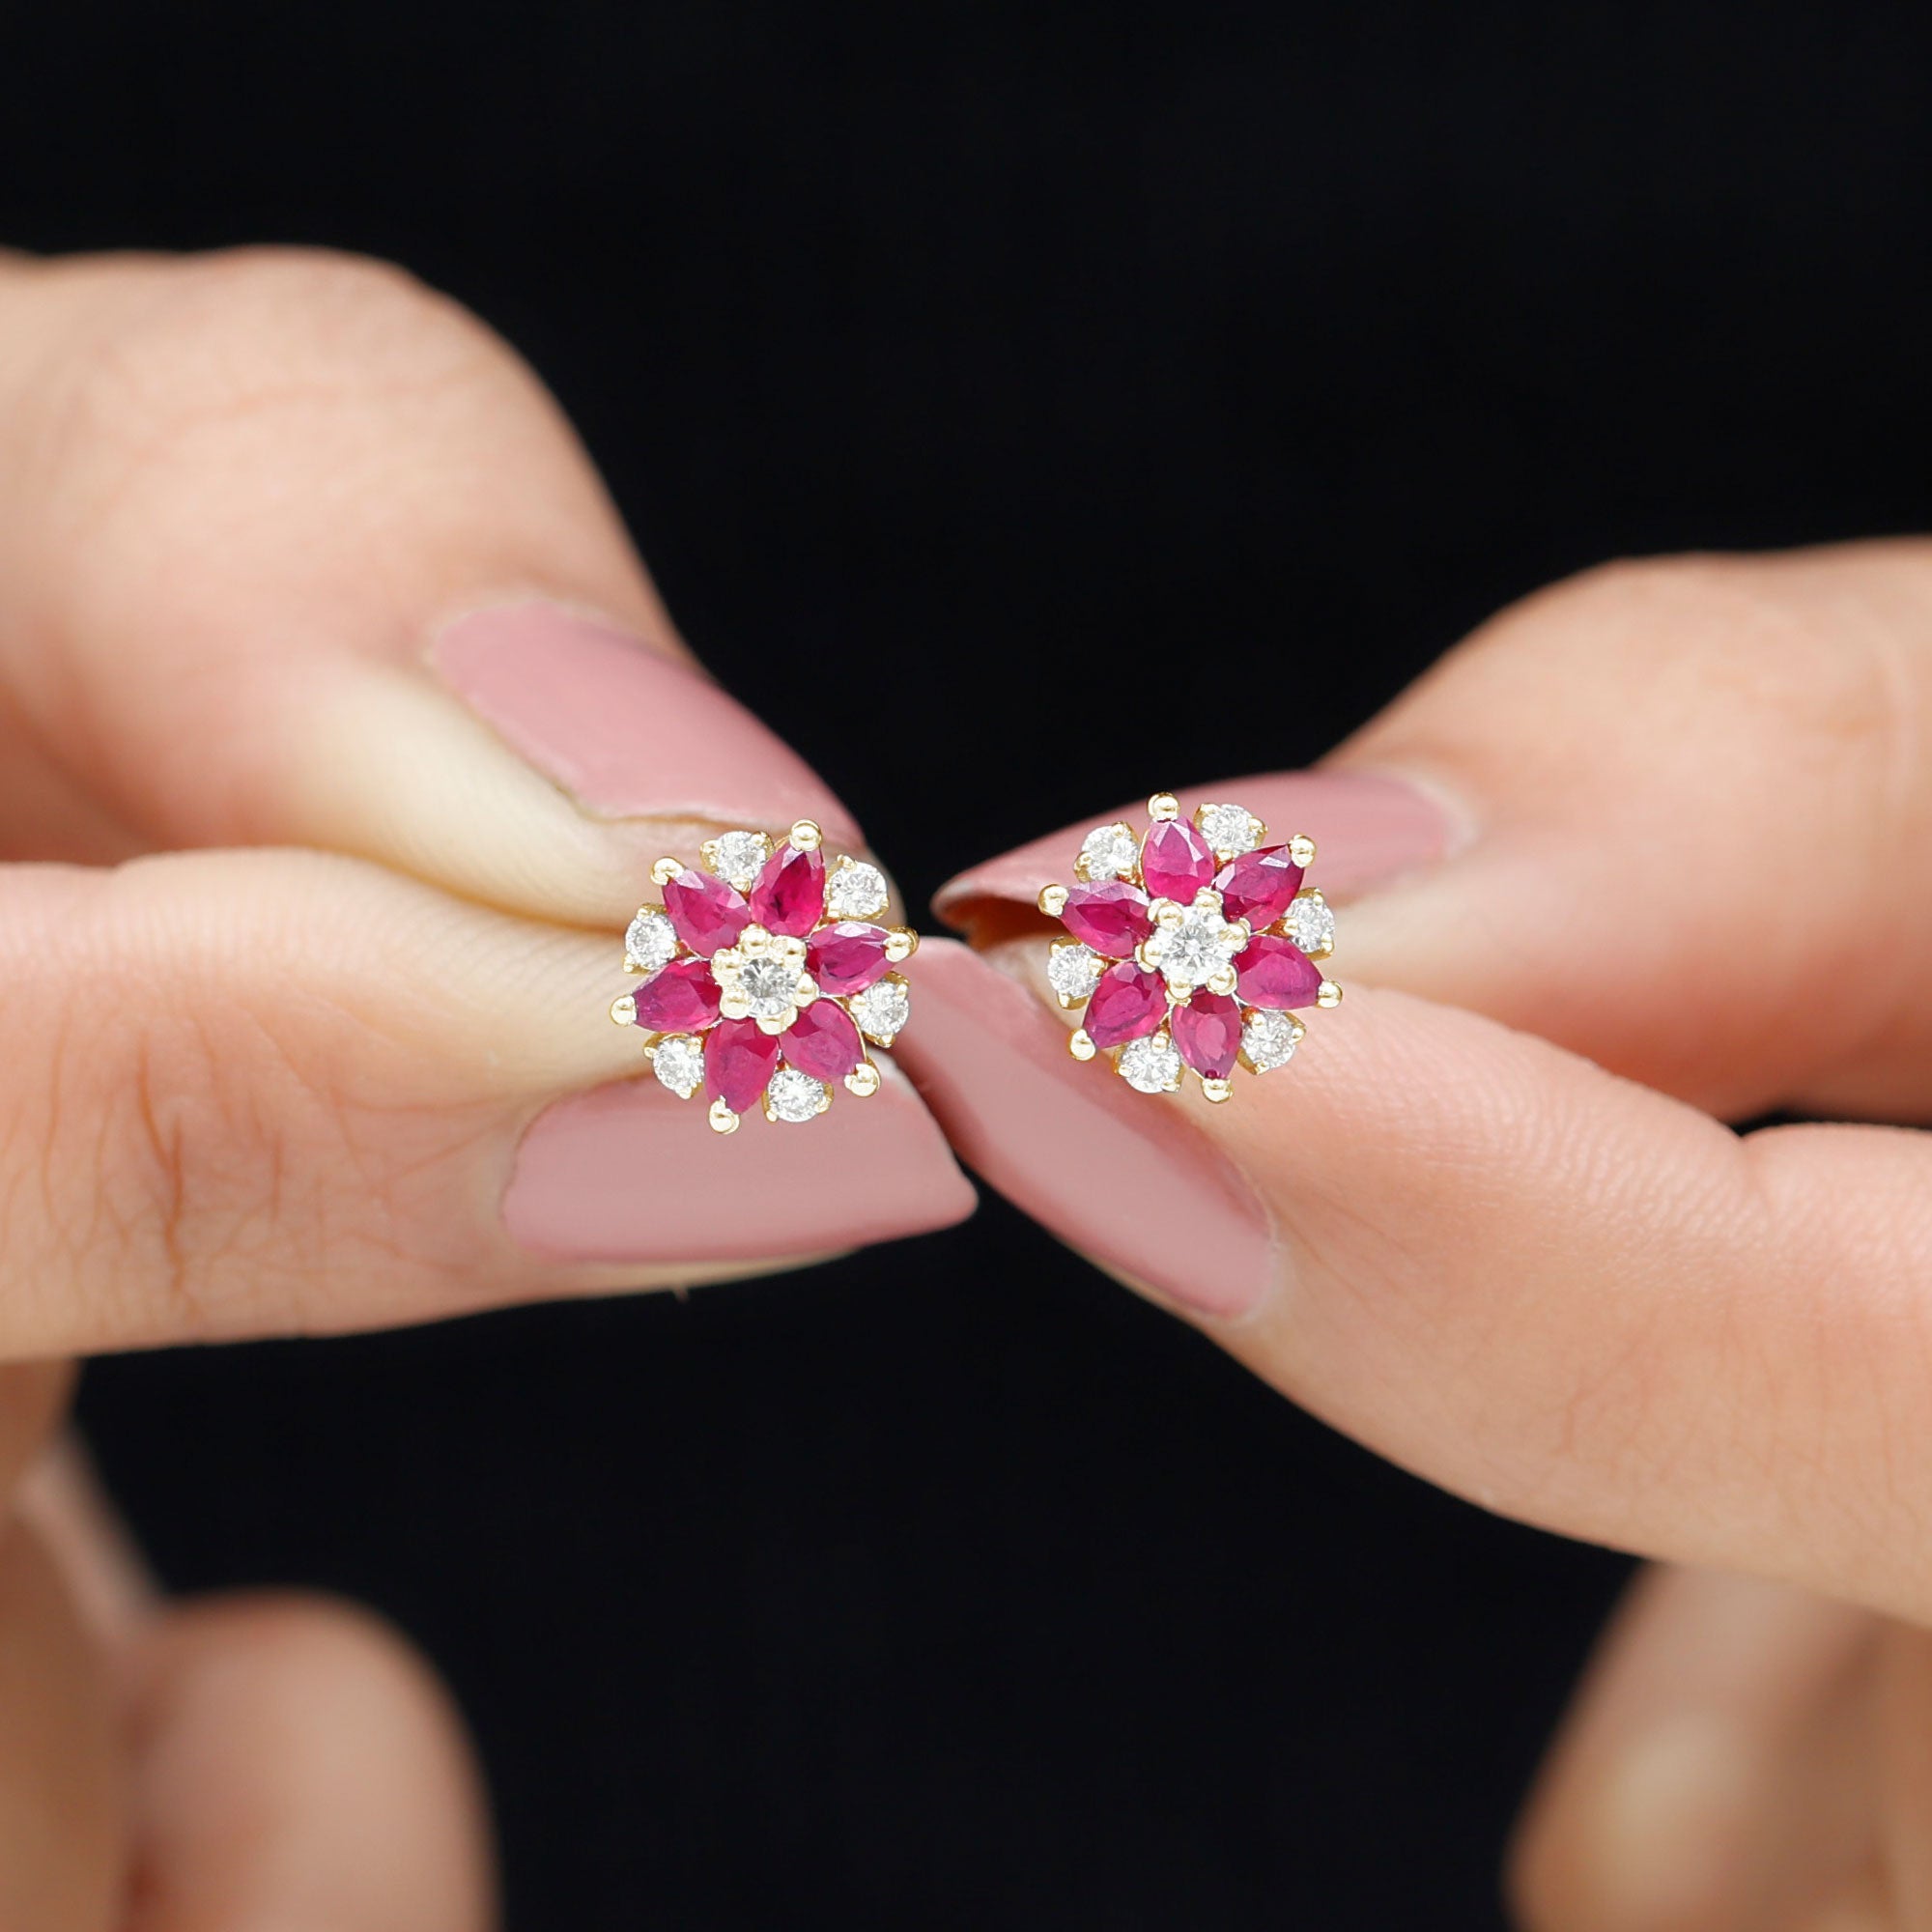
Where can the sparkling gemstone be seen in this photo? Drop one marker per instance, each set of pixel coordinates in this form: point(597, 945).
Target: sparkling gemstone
point(1276, 972)
point(678, 1061)
point(651, 941)
point(1151, 1064)
point(1109, 852)
point(1126, 1003)
point(1311, 925)
point(1208, 1034)
point(882, 1010)
point(794, 1096)
point(846, 958)
point(1232, 829)
point(1257, 886)
point(679, 998)
point(708, 914)
point(1112, 917)
point(768, 987)
point(1267, 1040)
point(1191, 951)
point(790, 896)
point(739, 1057)
point(1073, 970)
point(740, 857)
point(823, 1042)
point(1175, 861)
point(856, 891)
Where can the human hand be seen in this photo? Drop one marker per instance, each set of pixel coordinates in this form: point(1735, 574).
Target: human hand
point(1650, 852)
point(339, 725)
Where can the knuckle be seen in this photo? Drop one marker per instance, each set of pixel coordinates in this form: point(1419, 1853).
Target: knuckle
point(209, 1178)
point(1776, 663)
point(203, 351)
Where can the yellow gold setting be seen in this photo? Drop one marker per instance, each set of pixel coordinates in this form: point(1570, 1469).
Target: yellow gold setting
point(1195, 964)
point(729, 963)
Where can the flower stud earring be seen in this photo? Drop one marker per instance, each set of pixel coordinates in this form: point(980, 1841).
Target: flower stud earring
point(764, 976)
point(1189, 946)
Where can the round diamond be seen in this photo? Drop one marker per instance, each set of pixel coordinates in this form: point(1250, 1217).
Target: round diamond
point(1110, 852)
point(1074, 971)
point(857, 891)
point(882, 1010)
point(1309, 923)
point(1267, 1040)
point(651, 941)
point(1151, 1065)
point(769, 987)
point(1191, 951)
point(678, 1061)
point(793, 1096)
point(740, 855)
point(1231, 829)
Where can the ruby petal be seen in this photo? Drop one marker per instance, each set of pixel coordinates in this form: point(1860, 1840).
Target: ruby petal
point(823, 1042)
point(1208, 1034)
point(739, 1058)
point(1175, 861)
point(1126, 1005)
point(1111, 918)
point(679, 998)
point(790, 896)
point(847, 958)
point(1276, 972)
point(708, 914)
point(1257, 886)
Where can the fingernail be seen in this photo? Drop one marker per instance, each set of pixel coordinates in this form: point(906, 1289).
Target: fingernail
point(1122, 1181)
point(628, 1172)
point(625, 731)
point(1369, 828)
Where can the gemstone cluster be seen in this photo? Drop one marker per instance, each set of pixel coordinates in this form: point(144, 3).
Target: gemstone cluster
point(1189, 946)
point(765, 975)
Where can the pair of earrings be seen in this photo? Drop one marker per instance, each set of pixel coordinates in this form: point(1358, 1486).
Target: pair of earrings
point(766, 975)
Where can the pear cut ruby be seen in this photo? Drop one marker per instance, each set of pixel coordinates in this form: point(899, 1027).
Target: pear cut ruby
point(1257, 886)
point(1175, 861)
point(790, 896)
point(708, 914)
point(1111, 918)
point(846, 958)
point(823, 1042)
point(1276, 972)
point(1127, 1003)
point(679, 998)
point(1208, 1034)
point(739, 1060)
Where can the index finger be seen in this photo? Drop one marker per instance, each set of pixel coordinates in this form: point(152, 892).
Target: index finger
point(1560, 1293)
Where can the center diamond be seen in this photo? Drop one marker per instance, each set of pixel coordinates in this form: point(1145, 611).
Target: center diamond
point(768, 987)
point(1193, 948)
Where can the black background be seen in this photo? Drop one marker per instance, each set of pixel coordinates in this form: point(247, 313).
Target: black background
point(966, 352)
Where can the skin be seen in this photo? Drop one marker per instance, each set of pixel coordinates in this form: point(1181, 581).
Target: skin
point(1521, 1252)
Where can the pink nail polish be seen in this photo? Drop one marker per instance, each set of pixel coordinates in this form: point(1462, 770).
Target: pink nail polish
point(625, 731)
point(630, 1173)
point(1118, 1176)
point(1368, 828)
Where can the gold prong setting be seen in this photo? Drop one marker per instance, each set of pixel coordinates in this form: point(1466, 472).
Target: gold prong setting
point(1186, 948)
point(723, 982)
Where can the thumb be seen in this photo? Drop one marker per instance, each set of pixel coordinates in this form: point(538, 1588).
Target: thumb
point(1553, 1290)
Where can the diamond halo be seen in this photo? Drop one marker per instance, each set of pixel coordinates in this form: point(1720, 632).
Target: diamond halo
point(729, 967)
point(1224, 933)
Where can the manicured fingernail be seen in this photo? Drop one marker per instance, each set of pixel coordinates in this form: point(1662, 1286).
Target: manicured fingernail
point(1118, 1178)
point(1368, 828)
point(625, 731)
point(628, 1172)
